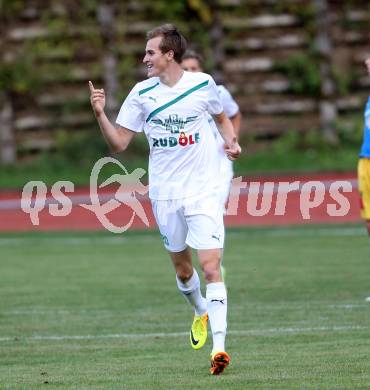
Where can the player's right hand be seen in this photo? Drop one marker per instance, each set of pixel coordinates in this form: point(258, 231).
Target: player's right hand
point(97, 99)
point(233, 151)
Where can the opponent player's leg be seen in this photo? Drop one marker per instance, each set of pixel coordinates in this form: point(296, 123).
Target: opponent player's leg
point(367, 299)
point(225, 192)
point(225, 188)
point(363, 170)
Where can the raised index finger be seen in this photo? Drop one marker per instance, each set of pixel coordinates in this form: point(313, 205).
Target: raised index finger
point(91, 86)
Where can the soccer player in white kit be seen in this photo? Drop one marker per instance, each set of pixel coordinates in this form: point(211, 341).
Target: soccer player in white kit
point(172, 108)
point(193, 62)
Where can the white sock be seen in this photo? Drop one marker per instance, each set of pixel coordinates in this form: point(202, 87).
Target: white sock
point(217, 312)
point(191, 292)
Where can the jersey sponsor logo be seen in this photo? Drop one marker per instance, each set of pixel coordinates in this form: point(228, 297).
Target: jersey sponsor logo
point(173, 123)
point(182, 140)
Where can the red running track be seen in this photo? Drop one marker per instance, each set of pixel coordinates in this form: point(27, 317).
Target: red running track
point(300, 205)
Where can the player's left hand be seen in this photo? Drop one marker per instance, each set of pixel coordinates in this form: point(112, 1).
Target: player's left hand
point(233, 151)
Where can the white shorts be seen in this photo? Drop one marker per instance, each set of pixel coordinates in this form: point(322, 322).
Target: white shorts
point(196, 222)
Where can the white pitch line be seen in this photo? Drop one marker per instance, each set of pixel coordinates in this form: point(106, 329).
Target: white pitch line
point(117, 239)
point(305, 231)
point(106, 312)
point(251, 332)
point(349, 306)
point(279, 231)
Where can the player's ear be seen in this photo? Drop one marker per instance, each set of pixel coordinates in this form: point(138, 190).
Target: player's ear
point(170, 55)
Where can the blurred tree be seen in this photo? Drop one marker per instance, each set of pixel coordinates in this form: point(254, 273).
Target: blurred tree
point(203, 10)
point(7, 142)
point(216, 37)
point(14, 78)
point(327, 107)
point(106, 21)
point(7, 145)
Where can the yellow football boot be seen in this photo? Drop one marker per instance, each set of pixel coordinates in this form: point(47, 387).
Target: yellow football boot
point(198, 331)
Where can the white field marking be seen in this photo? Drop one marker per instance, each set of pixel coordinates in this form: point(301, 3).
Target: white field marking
point(62, 312)
point(96, 240)
point(348, 306)
point(314, 231)
point(281, 231)
point(240, 333)
point(109, 313)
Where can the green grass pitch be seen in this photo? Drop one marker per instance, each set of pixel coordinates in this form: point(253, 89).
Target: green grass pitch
point(102, 311)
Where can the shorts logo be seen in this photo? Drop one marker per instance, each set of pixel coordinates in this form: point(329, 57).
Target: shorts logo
point(216, 237)
point(218, 300)
point(170, 142)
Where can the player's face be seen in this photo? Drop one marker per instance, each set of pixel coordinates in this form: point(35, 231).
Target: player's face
point(155, 61)
point(191, 65)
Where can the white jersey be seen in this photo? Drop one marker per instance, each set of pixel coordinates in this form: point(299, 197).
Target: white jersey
point(230, 108)
point(183, 159)
point(229, 105)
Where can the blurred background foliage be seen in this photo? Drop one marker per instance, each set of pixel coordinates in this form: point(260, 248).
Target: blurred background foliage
point(266, 52)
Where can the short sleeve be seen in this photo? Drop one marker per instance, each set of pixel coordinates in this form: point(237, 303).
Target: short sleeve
point(131, 114)
point(229, 105)
point(214, 105)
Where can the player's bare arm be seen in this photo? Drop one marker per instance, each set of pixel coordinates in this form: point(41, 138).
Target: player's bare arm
point(232, 147)
point(117, 138)
point(236, 121)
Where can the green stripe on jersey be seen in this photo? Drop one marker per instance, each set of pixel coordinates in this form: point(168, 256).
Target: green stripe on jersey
point(147, 89)
point(170, 103)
